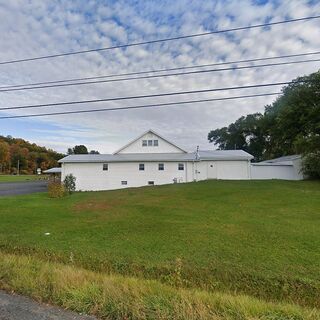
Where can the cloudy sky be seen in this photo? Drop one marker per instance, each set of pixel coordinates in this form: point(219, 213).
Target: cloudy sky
point(33, 28)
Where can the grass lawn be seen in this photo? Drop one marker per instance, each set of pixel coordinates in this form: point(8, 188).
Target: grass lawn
point(259, 238)
point(18, 178)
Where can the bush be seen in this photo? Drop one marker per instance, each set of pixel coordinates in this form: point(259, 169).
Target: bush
point(311, 165)
point(69, 183)
point(56, 189)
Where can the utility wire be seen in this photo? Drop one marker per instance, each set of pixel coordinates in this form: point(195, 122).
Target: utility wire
point(160, 40)
point(140, 106)
point(160, 70)
point(159, 75)
point(152, 95)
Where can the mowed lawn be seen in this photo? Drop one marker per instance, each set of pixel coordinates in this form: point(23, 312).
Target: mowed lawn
point(260, 238)
point(18, 178)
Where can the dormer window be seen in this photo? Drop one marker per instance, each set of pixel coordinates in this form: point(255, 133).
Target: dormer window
point(155, 143)
point(144, 143)
point(149, 143)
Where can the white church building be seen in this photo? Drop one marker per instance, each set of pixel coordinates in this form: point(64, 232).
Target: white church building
point(151, 159)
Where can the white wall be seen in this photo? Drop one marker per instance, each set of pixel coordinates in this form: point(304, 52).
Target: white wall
point(90, 176)
point(285, 172)
point(233, 170)
point(163, 147)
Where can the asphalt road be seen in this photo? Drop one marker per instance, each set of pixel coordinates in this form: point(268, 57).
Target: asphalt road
point(16, 188)
point(16, 307)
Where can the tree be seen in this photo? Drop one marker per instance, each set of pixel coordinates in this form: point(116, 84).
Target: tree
point(311, 165)
point(29, 155)
point(69, 183)
point(4, 154)
point(80, 149)
point(290, 125)
point(247, 133)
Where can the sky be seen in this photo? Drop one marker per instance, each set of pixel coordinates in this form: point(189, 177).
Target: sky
point(34, 28)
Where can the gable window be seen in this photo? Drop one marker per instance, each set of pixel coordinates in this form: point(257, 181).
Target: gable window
point(181, 166)
point(149, 143)
point(151, 183)
point(141, 166)
point(144, 143)
point(155, 143)
point(124, 183)
point(161, 166)
point(105, 167)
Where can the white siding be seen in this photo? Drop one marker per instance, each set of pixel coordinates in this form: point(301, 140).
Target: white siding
point(285, 172)
point(163, 147)
point(90, 176)
point(233, 170)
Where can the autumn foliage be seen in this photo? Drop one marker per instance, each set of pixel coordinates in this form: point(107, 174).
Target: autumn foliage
point(29, 156)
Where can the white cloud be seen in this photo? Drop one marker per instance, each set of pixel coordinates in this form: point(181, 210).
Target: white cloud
point(40, 28)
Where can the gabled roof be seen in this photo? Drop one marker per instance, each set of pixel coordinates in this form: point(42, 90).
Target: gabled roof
point(158, 157)
point(149, 131)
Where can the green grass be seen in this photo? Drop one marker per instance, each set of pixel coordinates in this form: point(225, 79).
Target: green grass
point(119, 297)
point(18, 178)
point(259, 238)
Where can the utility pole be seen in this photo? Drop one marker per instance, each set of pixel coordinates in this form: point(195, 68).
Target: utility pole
point(18, 167)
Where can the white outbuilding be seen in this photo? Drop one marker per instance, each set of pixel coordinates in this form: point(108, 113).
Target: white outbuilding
point(284, 168)
point(151, 159)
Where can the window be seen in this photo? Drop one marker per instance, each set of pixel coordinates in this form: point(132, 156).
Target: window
point(181, 166)
point(144, 143)
point(151, 183)
point(124, 183)
point(161, 166)
point(149, 143)
point(155, 143)
point(105, 167)
point(141, 166)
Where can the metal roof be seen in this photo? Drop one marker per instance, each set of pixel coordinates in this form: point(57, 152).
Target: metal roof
point(284, 161)
point(53, 170)
point(158, 157)
point(284, 158)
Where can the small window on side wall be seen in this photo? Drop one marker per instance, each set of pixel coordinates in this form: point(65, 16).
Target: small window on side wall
point(181, 166)
point(151, 183)
point(105, 167)
point(141, 166)
point(161, 166)
point(124, 183)
point(144, 143)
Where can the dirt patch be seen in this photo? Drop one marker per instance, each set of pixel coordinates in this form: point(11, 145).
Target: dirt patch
point(96, 205)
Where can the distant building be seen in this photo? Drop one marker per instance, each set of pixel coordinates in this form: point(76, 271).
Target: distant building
point(286, 168)
point(151, 159)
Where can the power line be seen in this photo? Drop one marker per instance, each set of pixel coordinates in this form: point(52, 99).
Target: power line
point(151, 95)
point(141, 106)
point(159, 76)
point(161, 70)
point(159, 40)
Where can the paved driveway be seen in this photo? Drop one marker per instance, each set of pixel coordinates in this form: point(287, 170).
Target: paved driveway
point(15, 307)
point(15, 188)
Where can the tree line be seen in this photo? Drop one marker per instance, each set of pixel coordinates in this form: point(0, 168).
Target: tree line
point(20, 155)
point(290, 125)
